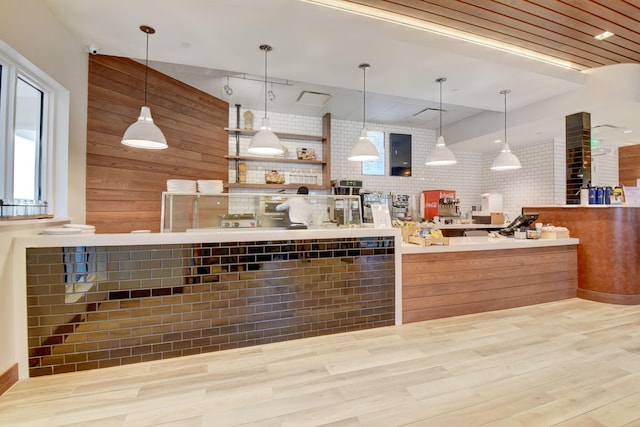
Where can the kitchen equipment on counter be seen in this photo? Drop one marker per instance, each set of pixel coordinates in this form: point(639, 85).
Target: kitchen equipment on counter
point(371, 198)
point(346, 187)
point(491, 202)
point(269, 217)
point(522, 223)
point(345, 211)
point(400, 206)
point(238, 221)
point(440, 203)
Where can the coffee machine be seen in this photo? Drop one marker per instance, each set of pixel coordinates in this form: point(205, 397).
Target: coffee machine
point(400, 206)
point(345, 211)
point(371, 198)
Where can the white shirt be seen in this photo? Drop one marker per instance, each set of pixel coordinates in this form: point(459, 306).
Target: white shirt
point(300, 210)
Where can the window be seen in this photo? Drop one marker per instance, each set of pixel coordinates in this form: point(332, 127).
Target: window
point(34, 113)
point(27, 177)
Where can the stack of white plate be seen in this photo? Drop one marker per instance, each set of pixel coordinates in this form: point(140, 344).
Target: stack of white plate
point(210, 186)
point(181, 186)
point(84, 228)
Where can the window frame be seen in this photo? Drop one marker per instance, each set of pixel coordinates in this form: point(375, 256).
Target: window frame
point(55, 129)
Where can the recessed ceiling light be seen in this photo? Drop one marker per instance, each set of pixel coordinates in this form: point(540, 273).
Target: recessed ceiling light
point(627, 131)
point(396, 18)
point(603, 36)
point(497, 141)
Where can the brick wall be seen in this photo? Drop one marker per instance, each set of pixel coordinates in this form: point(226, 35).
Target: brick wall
point(93, 307)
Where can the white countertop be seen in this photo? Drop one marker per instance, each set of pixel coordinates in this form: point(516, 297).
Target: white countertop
point(456, 244)
point(471, 226)
point(475, 243)
point(210, 236)
point(531, 207)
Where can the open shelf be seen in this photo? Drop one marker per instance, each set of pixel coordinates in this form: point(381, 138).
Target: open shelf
point(274, 186)
point(324, 165)
point(275, 160)
point(318, 138)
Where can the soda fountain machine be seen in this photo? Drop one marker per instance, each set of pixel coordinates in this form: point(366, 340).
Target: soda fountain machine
point(440, 203)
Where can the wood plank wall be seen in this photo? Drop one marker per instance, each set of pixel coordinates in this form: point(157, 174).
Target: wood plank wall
point(629, 165)
point(445, 284)
point(124, 184)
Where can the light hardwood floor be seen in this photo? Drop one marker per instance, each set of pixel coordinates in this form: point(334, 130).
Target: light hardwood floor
point(566, 363)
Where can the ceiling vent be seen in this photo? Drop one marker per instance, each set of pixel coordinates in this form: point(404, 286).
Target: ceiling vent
point(428, 112)
point(314, 99)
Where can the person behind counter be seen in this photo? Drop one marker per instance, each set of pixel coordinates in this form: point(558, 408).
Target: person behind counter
point(300, 210)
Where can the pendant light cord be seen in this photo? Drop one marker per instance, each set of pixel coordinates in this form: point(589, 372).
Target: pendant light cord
point(364, 68)
point(266, 53)
point(146, 69)
point(441, 80)
point(505, 117)
point(440, 108)
point(147, 30)
point(505, 92)
point(266, 49)
point(364, 97)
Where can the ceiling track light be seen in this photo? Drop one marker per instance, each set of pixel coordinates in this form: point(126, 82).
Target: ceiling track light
point(144, 133)
point(271, 94)
point(441, 154)
point(265, 142)
point(364, 150)
point(227, 88)
point(505, 160)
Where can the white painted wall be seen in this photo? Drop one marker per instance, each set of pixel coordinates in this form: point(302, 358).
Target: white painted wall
point(30, 28)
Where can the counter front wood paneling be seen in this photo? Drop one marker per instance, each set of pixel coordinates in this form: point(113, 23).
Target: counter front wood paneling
point(629, 164)
point(608, 266)
point(454, 283)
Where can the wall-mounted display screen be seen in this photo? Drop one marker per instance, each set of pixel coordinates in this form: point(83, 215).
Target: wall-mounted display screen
point(400, 154)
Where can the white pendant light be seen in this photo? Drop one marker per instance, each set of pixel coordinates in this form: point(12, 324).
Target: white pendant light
point(144, 133)
point(364, 150)
point(505, 160)
point(441, 155)
point(265, 142)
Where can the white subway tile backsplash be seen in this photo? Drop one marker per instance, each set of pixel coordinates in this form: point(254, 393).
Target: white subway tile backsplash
point(541, 181)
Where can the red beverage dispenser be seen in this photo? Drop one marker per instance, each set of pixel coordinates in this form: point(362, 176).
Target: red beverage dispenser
point(429, 201)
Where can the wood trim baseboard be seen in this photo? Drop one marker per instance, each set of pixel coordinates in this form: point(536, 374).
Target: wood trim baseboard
point(622, 299)
point(8, 378)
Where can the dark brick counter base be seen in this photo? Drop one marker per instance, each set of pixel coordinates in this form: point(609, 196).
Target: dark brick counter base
point(93, 307)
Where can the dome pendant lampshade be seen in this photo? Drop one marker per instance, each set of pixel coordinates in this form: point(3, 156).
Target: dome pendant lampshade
point(364, 150)
point(144, 133)
point(441, 155)
point(505, 160)
point(265, 142)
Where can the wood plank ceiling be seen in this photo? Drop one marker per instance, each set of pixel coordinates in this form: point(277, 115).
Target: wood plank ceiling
point(563, 29)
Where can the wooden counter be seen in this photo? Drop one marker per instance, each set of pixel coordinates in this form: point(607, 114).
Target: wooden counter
point(609, 252)
point(476, 274)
